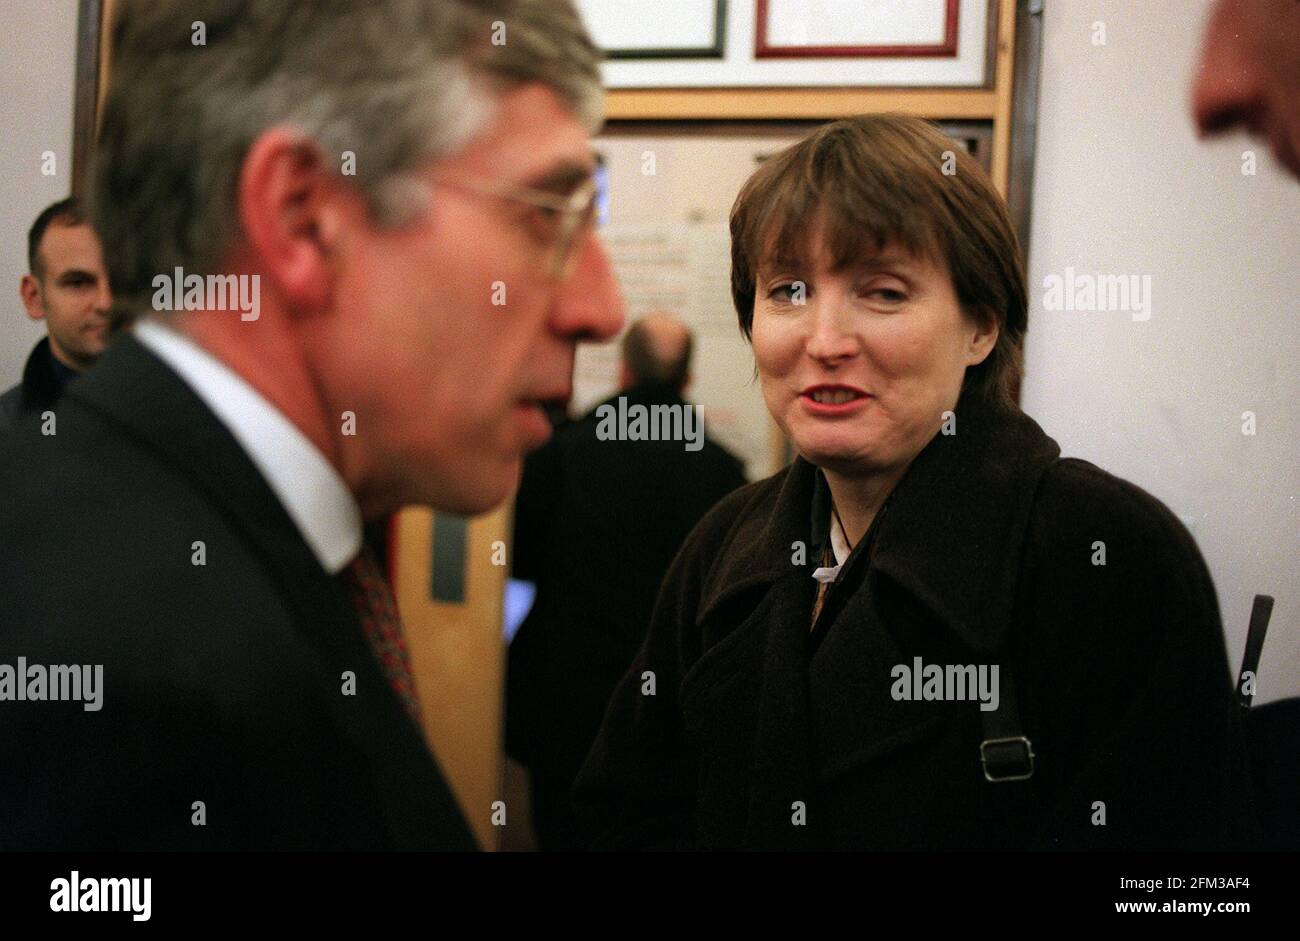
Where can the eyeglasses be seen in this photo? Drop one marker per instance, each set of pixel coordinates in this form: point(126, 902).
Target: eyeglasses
point(571, 216)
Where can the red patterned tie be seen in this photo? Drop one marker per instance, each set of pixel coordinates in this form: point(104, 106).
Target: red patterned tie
point(372, 599)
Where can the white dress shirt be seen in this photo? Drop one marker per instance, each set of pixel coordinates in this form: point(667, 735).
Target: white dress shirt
point(308, 486)
point(840, 548)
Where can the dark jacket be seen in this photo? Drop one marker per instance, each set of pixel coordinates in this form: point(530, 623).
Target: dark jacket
point(597, 524)
point(984, 556)
point(39, 389)
point(223, 683)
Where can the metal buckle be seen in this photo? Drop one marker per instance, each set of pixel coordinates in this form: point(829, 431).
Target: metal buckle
point(1025, 759)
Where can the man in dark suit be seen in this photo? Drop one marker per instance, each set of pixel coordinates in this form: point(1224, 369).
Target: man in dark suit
point(196, 649)
point(597, 523)
point(65, 287)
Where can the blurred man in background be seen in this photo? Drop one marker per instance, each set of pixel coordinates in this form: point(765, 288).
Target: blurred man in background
point(597, 523)
point(66, 287)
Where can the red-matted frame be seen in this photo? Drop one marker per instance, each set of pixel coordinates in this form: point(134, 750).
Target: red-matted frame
point(764, 51)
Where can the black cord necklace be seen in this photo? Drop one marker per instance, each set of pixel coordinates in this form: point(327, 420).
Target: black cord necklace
point(843, 532)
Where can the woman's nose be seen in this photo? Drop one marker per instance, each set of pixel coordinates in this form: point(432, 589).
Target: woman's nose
point(829, 338)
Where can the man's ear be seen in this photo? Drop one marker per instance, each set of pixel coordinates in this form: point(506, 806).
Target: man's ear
point(285, 198)
point(29, 289)
point(983, 336)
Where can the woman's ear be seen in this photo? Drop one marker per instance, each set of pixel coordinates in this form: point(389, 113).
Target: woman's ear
point(983, 336)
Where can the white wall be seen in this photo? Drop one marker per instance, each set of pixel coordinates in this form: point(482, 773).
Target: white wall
point(38, 49)
point(1123, 187)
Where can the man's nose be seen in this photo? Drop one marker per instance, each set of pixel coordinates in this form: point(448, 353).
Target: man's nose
point(1228, 88)
point(589, 305)
point(103, 297)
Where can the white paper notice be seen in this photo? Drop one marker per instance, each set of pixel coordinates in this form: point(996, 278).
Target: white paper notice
point(685, 269)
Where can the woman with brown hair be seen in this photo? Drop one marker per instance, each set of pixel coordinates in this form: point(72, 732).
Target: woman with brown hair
point(930, 630)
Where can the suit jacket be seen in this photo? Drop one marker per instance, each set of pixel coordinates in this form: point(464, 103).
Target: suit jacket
point(762, 734)
point(223, 682)
point(39, 389)
point(596, 525)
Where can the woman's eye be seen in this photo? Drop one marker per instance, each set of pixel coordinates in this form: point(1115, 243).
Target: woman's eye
point(887, 295)
point(783, 292)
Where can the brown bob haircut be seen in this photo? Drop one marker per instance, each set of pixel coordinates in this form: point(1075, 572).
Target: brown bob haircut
point(879, 179)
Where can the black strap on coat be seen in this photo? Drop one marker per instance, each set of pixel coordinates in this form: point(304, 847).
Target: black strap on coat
point(1260, 613)
point(1006, 753)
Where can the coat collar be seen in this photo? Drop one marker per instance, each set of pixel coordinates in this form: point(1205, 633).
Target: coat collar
point(953, 536)
point(44, 378)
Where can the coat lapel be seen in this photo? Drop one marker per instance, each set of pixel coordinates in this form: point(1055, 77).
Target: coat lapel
point(954, 535)
point(780, 792)
point(763, 556)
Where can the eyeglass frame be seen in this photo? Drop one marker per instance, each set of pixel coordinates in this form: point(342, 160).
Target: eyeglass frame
point(575, 209)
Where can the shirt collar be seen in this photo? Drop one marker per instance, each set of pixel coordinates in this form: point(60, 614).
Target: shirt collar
point(310, 489)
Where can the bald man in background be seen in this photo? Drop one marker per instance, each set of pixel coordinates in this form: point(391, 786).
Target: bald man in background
point(597, 523)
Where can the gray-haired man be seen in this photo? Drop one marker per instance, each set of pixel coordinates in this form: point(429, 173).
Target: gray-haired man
point(359, 237)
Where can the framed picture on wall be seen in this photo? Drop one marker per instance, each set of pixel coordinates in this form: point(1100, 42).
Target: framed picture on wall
point(657, 29)
point(855, 28)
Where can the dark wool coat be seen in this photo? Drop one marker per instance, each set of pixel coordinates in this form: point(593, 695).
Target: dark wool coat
point(758, 737)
